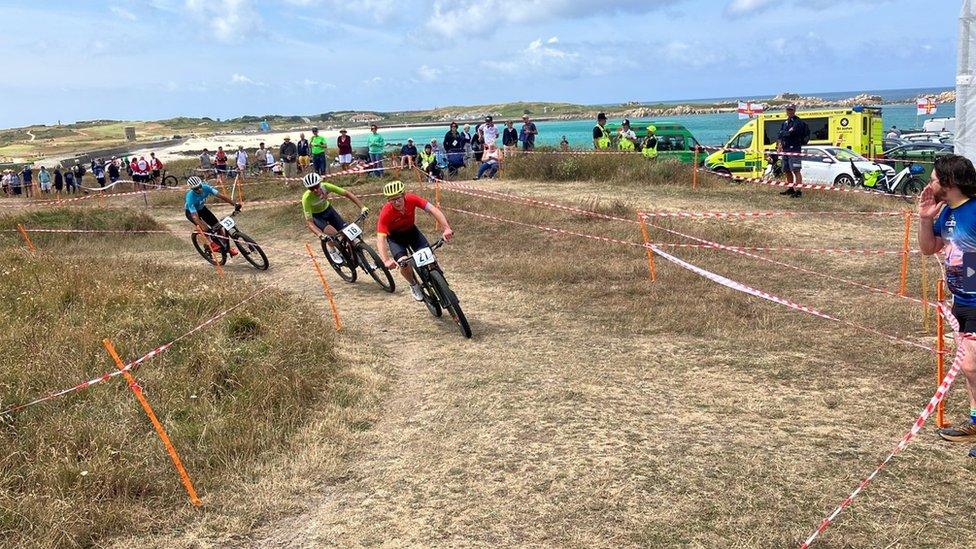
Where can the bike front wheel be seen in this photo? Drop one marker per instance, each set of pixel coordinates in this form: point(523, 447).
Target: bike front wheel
point(370, 262)
point(347, 268)
point(202, 244)
point(171, 181)
point(251, 251)
point(450, 302)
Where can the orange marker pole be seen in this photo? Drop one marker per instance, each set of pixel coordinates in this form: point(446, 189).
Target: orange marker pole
point(652, 273)
point(437, 200)
point(23, 233)
point(694, 173)
point(903, 284)
point(213, 258)
point(940, 355)
point(924, 293)
point(325, 287)
point(136, 390)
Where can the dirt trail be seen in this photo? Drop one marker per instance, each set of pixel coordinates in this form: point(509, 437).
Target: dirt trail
point(528, 433)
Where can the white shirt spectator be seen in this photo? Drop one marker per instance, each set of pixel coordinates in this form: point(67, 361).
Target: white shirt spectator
point(241, 159)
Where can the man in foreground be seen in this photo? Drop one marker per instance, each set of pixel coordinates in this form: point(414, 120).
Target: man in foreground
point(396, 230)
point(947, 224)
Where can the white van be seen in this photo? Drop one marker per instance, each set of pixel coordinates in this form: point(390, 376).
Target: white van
point(940, 125)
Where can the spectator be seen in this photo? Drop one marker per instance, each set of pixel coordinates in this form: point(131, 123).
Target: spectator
point(269, 161)
point(454, 145)
point(220, 165)
point(113, 170)
point(27, 180)
point(5, 183)
point(601, 135)
point(564, 144)
point(893, 133)
point(205, 163)
point(59, 179)
point(260, 155)
point(14, 183)
point(79, 176)
point(947, 224)
point(241, 161)
point(304, 153)
point(510, 137)
point(793, 134)
point(69, 181)
point(528, 133)
point(439, 156)
point(98, 170)
point(320, 162)
point(489, 133)
point(142, 167)
point(649, 146)
point(44, 180)
point(408, 155)
point(489, 165)
point(428, 162)
point(477, 144)
point(627, 138)
point(466, 132)
point(289, 157)
point(156, 166)
point(344, 146)
point(375, 145)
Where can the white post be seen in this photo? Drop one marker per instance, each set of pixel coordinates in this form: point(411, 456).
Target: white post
point(965, 140)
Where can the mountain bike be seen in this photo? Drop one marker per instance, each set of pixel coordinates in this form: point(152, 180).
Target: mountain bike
point(437, 294)
point(906, 183)
point(223, 233)
point(356, 253)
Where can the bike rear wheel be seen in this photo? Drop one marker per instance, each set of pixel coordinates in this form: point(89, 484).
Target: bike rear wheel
point(347, 269)
point(251, 251)
point(450, 302)
point(170, 181)
point(370, 262)
point(202, 244)
point(911, 188)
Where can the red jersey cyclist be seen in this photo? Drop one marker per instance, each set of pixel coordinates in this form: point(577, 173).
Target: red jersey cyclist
point(396, 230)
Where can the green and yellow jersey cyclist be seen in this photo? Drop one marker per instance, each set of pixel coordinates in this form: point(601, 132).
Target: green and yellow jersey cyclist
point(195, 208)
point(322, 219)
point(396, 230)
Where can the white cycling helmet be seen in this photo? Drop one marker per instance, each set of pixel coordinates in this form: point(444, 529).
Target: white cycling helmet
point(312, 180)
point(194, 182)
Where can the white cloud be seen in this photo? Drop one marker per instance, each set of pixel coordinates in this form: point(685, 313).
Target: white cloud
point(230, 21)
point(454, 18)
point(738, 7)
point(378, 10)
point(745, 7)
point(373, 81)
point(428, 74)
point(567, 61)
point(553, 40)
point(244, 80)
point(123, 13)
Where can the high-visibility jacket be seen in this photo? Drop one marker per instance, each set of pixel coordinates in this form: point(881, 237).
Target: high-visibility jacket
point(603, 142)
point(626, 144)
point(426, 159)
point(649, 149)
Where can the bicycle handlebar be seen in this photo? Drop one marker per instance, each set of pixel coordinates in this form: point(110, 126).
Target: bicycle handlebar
point(408, 259)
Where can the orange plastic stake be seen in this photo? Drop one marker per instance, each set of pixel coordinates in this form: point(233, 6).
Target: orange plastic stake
point(325, 288)
point(136, 390)
point(23, 233)
point(205, 241)
point(940, 355)
point(437, 200)
point(903, 284)
point(924, 293)
point(694, 173)
point(652, 273)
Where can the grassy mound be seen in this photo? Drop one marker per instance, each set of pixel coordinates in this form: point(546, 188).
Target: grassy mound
point(116, 219)
point(86, 466)
point(617, 168)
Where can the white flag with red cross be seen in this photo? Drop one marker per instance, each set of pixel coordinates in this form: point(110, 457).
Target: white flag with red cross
point(926, 106)
point(749, 110)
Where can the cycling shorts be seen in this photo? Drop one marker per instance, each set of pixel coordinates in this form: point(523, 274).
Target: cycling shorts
point(405, 242)
point(329, 217)
point(966, 317)
point(220, 168)
point(205, 214)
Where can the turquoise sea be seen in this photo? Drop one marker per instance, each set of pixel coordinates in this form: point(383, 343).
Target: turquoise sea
point(709, 129)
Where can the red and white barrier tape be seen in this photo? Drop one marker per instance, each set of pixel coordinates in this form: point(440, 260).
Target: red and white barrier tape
point(804, 186)
point(766, 214)
point(158, 350)
point(89, 231)
point(707, 274)
point(933, 403)
point(787, 265)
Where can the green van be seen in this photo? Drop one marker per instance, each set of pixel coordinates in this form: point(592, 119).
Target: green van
point(673, 139)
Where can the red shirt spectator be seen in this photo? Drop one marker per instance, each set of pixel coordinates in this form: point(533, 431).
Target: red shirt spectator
point(344, 144)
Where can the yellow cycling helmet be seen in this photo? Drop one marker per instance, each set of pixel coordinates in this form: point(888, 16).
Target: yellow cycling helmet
point(393, 188)
point(651, 129)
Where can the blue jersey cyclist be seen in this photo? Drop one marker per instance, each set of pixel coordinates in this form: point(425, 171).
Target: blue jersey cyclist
point(322, 219)
point(947, 224)
point(196, 207)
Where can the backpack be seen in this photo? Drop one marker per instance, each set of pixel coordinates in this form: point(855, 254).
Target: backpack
point(804, 133)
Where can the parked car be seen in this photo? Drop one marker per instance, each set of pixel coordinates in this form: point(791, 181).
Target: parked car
point(923, 153)
point(833, 165)
point(925, 137)
point(892, 142)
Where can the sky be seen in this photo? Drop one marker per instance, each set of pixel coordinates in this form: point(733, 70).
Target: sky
point(152, 59)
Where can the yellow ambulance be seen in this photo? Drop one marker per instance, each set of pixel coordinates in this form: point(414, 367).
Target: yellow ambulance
point(859, 129)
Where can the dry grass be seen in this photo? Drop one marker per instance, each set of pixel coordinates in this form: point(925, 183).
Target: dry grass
point(596, 409)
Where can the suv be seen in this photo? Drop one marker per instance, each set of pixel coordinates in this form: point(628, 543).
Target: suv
point(924, 152)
